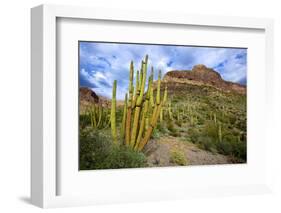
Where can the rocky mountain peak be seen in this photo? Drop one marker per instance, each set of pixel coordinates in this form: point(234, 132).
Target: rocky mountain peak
point(200, 74)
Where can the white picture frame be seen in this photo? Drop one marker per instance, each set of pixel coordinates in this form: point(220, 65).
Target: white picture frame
point(44, 155)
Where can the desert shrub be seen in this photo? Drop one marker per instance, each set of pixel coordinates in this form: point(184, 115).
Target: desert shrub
point(175, 134)
point(193, 134)
point(155, 134)
point(206, 143)
point(178, 157)
point(94, 148)
point(84, 120)
point(178, 122)
point(123, 157)
point(232, 119)
point(98, 152)
point(240, 150)
point(171, 127)
point(224, 148)
point(211, 130)
point(162, 128)
point(230, 146)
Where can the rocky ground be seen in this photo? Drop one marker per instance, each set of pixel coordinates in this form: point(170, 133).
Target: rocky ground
point(159, 153)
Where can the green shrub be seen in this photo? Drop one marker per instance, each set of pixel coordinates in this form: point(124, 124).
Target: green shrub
point(211, 130)
point(171, 127)
point(84, 120)
point(178, 157)
point(193, 134)
point(162, 128)
point(206, 143)
point(155, 134)
point(94, 148)
point(123, 157)
point(178, 122)
point(239, 150)
point(98, 152)
point(224, 148)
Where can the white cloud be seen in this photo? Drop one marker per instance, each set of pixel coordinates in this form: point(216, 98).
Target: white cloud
point(165, 58)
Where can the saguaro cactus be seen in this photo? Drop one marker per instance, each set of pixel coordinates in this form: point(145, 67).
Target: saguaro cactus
point(113, 113)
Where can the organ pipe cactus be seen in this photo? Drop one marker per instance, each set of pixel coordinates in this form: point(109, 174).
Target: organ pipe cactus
point(98, 116)
point(129, 106)
point(155, 115)
point(144, 117)
point(123, 128)
point(220, 133)
point(151, 99)
point(140, 112)
point(139, 104)
point(215, 119)
point(113, 113)
point(164, 104)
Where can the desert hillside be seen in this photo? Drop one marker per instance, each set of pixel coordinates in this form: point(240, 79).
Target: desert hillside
point(203, 121)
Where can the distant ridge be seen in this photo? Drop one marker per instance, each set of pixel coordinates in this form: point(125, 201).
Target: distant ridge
point(200, 74)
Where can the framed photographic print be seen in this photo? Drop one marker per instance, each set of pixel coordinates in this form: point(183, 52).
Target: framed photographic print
point(129, 106)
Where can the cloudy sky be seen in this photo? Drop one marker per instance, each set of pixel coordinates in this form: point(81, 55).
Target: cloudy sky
point(102, 63)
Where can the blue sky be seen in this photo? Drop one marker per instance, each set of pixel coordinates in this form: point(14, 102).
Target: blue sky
point(102, 63)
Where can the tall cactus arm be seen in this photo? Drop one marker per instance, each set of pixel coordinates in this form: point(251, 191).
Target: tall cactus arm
point(144, 115)
point(113, 113)
point(220, 132)
point(129, 107)
point(155, 115)
point(150, 128)
point(100, 111)
point(138, 106)
point(151, 99)
point(158, 88)
point(137, 91)
point(123, 128)
point(165, 95)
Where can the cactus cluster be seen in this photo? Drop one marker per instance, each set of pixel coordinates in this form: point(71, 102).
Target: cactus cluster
point(141, 109)
point(99, 116)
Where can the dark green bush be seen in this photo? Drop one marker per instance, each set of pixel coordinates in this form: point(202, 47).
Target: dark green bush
point(162, 128)
point(84, 120)
point(156, 134)
point(171, 127)
point(206, 143)
point(193, 134)
point(98, 152)
point(224, 148)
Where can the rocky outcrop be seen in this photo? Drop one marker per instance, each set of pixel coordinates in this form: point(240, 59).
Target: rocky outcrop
point(200, 74)
point(88, 95)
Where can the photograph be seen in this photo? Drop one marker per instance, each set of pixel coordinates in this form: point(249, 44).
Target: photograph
point(161, 105)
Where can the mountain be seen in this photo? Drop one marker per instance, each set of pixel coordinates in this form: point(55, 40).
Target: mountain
point(201, 75)
point(88, 95)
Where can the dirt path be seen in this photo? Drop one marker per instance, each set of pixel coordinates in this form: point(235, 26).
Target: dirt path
point(159, 153)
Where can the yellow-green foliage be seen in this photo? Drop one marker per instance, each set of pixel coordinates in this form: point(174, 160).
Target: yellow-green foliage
point(178, 157)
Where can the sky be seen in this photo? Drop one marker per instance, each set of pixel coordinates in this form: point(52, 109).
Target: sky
point(102, 63)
